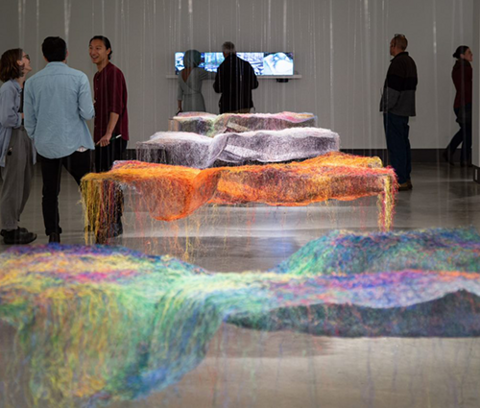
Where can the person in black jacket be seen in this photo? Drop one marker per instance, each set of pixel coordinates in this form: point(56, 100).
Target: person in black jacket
point(235, 80)
point(397, 105)
point(462, 75)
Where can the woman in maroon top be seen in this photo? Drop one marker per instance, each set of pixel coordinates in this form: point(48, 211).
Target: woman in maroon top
point(462, 78)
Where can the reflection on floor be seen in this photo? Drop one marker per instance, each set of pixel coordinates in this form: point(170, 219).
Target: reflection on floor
point(284, 369)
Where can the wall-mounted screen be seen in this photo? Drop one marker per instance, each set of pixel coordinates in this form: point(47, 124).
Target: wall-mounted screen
point(263, 63)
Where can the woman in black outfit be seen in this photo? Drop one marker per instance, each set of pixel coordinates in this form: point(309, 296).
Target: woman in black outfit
point(462, 74)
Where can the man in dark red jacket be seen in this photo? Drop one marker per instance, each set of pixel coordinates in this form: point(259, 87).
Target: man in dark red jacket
point(235, 80)
point(111, 116)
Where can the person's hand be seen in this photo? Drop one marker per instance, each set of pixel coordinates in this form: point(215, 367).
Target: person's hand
point(105, 140)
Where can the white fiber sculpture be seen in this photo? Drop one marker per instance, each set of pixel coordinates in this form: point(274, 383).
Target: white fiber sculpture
point(265, 146)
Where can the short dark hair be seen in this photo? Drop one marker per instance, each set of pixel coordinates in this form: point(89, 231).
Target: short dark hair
point(54, 49)
point(400, 41)
point(106, 43)
point(229, 47)
point(462, 49)
point(9, 68)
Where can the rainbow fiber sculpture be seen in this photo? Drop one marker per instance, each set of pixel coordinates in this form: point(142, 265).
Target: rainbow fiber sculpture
point(174, 192)
point(265, 146)
point(210, 125)
point(360, 253)
point(101, 324)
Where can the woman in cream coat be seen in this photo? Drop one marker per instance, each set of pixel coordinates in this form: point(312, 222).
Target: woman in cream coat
point(190, 98)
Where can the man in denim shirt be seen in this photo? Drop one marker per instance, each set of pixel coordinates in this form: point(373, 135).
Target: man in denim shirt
point(58, 103)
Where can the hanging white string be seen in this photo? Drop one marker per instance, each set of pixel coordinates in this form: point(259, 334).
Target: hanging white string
point(21, 22)
point(67, 11)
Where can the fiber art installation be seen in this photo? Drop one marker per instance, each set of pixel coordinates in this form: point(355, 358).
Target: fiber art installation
point(210, 125)
point(366, 253)
point(266, 146)
point(174, 192)
point(99, 324)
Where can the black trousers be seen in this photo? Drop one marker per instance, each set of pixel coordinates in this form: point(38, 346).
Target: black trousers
point(463, 136)
point(78, 165)
point(104, 158)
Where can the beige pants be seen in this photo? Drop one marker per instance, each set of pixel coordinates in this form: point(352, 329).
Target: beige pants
point(17, 176)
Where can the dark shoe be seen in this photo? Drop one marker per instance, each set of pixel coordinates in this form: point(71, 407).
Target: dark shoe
point(115, 230)
point(54, 237)
point(19, 236)
point(405, 186)
point(100, 239)
point(3, 232)
point(448, 157)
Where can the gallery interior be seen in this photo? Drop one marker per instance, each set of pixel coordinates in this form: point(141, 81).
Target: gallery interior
point(236, 321)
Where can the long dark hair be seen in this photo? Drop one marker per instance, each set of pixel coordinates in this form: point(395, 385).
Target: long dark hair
point(9, 67)
point(462, 49)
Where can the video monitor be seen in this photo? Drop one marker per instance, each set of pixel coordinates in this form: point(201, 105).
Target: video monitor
point(255, 59)
point(278, 63)
point(263, 63)
point(212, 60)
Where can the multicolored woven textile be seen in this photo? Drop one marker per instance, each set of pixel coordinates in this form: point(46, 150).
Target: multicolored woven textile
point(105, 324)
point(174, 192)
point(210, 125)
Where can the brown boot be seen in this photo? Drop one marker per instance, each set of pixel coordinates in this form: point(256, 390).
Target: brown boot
point(405, 186)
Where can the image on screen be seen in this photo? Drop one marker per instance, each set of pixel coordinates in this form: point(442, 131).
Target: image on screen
point(255, 59)
point(278, 63)
point(213, 60)
point(179, 61)
point(263, 63)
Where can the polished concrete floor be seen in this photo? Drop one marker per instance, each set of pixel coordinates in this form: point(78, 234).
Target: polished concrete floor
point(246, 368)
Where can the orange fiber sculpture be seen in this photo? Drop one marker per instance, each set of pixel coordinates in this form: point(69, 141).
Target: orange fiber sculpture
point(174, 192)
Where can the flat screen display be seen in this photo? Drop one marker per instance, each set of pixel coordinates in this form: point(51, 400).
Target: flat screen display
point(263, 63)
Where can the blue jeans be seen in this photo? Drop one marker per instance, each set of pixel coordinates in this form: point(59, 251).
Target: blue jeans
point(398, 145)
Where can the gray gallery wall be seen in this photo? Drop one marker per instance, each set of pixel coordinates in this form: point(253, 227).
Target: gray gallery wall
point(341, 51)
